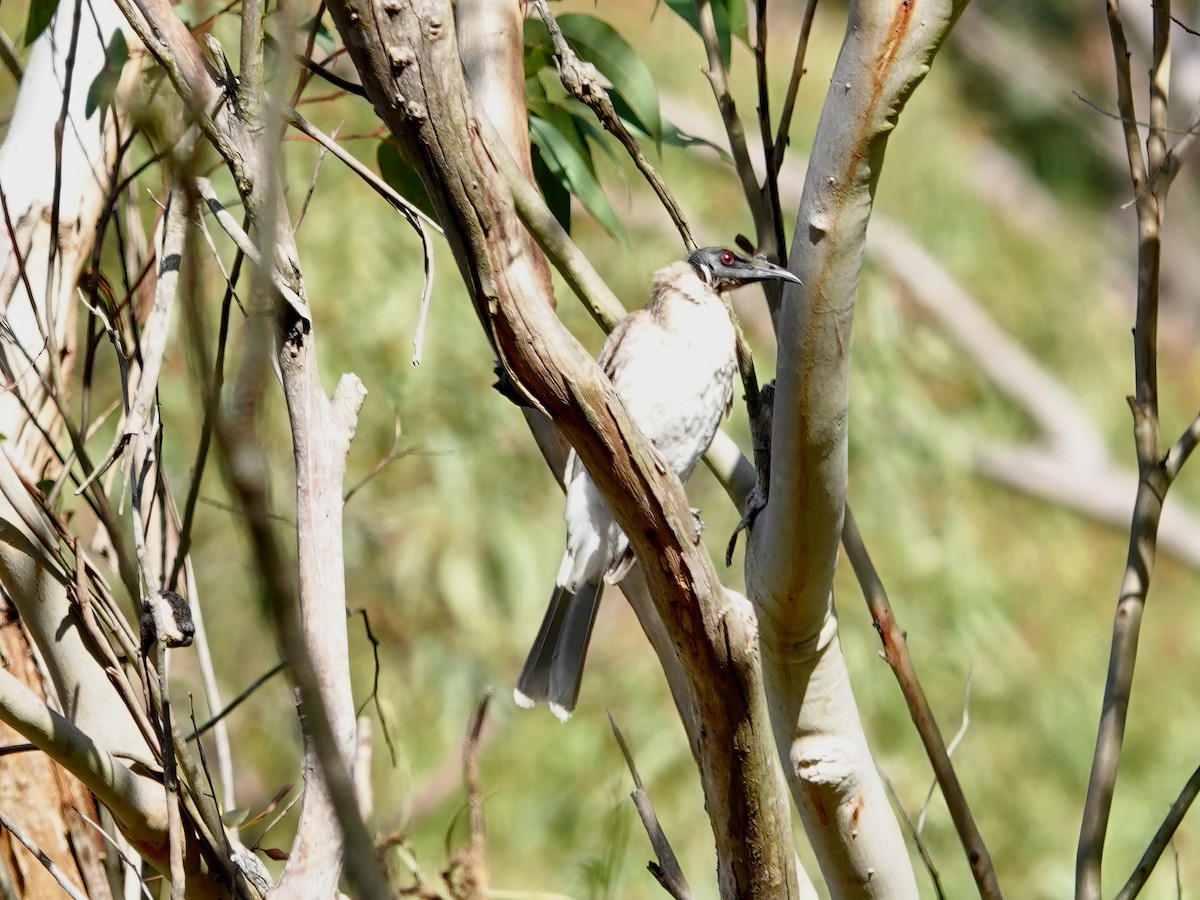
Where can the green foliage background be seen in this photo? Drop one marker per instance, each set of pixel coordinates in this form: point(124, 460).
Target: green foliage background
point(452, 549)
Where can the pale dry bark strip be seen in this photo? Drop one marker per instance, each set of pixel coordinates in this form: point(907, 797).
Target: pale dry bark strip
point(794, 545)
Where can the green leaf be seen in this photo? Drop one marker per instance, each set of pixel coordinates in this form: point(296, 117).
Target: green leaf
point(40, 14)
point(565, 124)
point(537, 59)
point(104, 85)
point(739, 19)
point(599, 43)
point(395, 170)
point(729, 17)
point(585, 122)
point(570, 169)
point(558, 198)
point(537, 39)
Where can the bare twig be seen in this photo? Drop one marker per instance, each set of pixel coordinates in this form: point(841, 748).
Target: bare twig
point(734, 129)
point(895, 651)
point(244, 243)
point(377, 184)
point(239, 699)
point(469, 879)
point(312, 184)
point(1153, 478)
point(914, 832)
point(414, 215)
point(770, 190)
point(373, 697)
point(10, 59)
point(954, 742)
point(779, 148)
point(667, 870)
point(1164, 836)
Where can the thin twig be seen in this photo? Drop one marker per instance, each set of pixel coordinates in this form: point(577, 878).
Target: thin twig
point(770, 190)
point(415, 216)
point(895, 651)
point(915, 834)
point(244, 243)
point(374, 695)
point(305, 58)
point(476, 859)
point(789, 101)
point(1163, 837)
point(56, 205)
point(667, 870)
point(734, 130)
point(1179, 452)
point(954, 742)
point(377, 184)
point(134, 865)
point(239, 699)
point(8, 56)
point(317, 69)
point(312, 185)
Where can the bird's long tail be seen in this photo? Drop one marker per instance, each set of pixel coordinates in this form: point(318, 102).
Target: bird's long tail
point(554, 668)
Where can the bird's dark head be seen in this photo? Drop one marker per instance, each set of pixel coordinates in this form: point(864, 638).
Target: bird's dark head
point(725, 269)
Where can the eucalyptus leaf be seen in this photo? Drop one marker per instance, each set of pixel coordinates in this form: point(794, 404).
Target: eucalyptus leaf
point(104, 85)
point(565, 163)
point(561, 118)
point(40, 14)
point(729, 18)
point(557, 197)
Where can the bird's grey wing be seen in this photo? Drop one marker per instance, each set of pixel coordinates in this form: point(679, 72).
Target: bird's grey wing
point(610, 355)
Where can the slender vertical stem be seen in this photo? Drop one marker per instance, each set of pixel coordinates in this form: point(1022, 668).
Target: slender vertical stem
point(789, 101)
point(1153, 477)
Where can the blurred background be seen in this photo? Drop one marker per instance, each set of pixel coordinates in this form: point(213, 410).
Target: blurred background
point(1000, 182)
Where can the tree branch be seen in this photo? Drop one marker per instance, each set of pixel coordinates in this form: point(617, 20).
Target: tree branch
point(793, 546)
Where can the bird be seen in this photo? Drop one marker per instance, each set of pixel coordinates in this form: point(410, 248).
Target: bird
point(672, 363)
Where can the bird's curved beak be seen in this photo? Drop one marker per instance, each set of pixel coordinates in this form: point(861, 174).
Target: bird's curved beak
point(758, 269)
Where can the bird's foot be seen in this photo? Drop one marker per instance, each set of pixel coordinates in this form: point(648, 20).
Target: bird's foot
point(756, 502)
point(698, 524)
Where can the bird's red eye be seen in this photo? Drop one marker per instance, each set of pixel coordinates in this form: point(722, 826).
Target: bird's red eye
point(727, 258)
